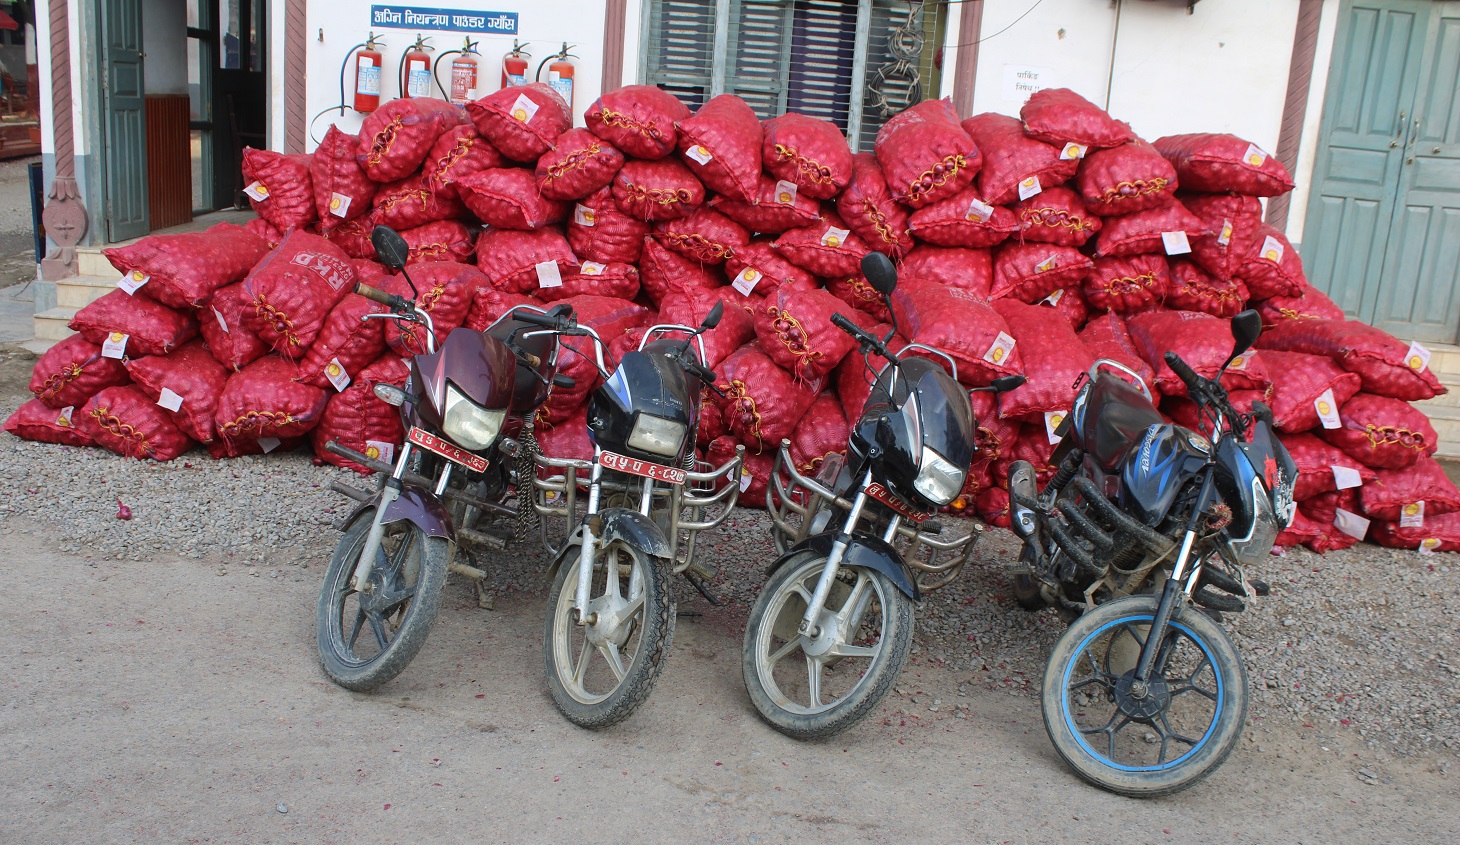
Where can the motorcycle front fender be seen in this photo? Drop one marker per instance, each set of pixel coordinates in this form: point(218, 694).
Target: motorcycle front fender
point(416, 506)
point(634, 529)
point(867, 552)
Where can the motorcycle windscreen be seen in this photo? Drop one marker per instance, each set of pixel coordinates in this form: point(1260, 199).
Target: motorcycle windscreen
point(480, 366)
point(645, 382)
point(947, 416)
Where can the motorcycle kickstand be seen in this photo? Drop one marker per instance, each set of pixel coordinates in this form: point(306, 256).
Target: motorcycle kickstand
point(699, 584)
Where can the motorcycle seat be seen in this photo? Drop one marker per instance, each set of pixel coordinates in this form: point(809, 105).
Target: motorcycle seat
point(1115, 418)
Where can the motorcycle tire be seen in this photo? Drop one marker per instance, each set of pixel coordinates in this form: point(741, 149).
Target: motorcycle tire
point(414, 564)
point(790, 697)
point(1203, 684)
point(600, 693)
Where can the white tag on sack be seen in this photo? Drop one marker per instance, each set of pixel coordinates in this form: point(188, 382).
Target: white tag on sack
point(745, 478)
point(786, 192)
point(699, 154)
point(835, 237)
point(1054, 298)
point(1346, 478)
point(1254, 157)
point(1412, 515)
point(583, 215)
point(115, 346)
point(1417, 358)
point(257, 191)
point(1029, 187)
point(978, 211)
point(1002, 346)
point(169, 400)
point(1047, 264)
point(1225, 237)
point(548, 275)
point(524, 109)
point(130, 282)
point(1351, 524)
point(746, 280)
point(1272, 249)
point(269, 444)
point(1073, 151)
point(63, 416)
point(335, 372)
point(1327, 409)
point(1052, 420)
point(1241, 361)
point(339, 204)
point(1175, 243)
point(591, 268)
point(222, 323)
point(1428, 545)
point(380, 450)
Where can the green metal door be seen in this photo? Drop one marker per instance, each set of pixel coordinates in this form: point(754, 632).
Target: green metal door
point(124, 129)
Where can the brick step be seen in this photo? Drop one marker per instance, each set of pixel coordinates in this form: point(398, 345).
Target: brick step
point(52, 324)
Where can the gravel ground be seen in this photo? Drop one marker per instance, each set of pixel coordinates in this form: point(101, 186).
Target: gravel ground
point(1360, 641)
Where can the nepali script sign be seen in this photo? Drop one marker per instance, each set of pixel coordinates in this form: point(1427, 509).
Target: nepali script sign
point(449, 20)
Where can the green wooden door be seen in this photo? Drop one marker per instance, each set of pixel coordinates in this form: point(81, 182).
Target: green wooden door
point(124, 130)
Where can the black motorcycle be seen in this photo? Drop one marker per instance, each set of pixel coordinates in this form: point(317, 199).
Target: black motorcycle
point(829, 633)
point(1143, 533)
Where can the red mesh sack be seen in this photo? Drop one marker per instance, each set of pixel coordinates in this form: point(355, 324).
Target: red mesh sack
point(925, 155)
point(1202, 341)
point(721, 146)
point(182, 271)
point(712, 422)
point(1417, 492)
point(458, 153)
point(963, 220)
point(1055, 216)
point(629, 341)
point(1438, 534)
point(610, 318)
point(507, 198)
point(357, 419)
point(123, 420)
point(1070, 304)
point(279, 187)
point(193, 381)
point(777, 207)
point(758, 268)
point(521, 121)
point(590, 277)
point(706, 235)
point(1031, 445)
point(869, 209)
point(1125, 179)
point(1129, 284)
point(755, 471)
point(1387, 366)
point(568, 439)
point(488, 304)
point(73, 371)
point(663, 271)
point(821, 433)
point(1316, 462)
point(36, 421)
point(1015, 165)
point(794, 328)
point(352, 237)
point(969, 269)
point(1191, 289)
point(992, 506)
point(346, 344)
point(1323, 508)
point(133, 324)
point(809, 151)
point(762, 402)
point(1300, 532)
point(1381, 432)
point(264, 400)
point(396, 138)
point(446, 291)
point(293, 289)
point(265, 231)
point(1145, 231)
point(1313, 304)
point(1231, 222)
point(1272, 267)
point(513, 260)
point(232, 343)
point(1184, 412)
point(960, 324)
point(342, 191)
point(657, 190)
point(409, 203)
point(1218, 163)
point(1061, 117)
point(442, 240)
point(1335, 540)
point(638, 119)
point(1299, 383)
point(690, 307)
point(1030, 272)
point(828, 248)
point(1053, 360)
point(578, 164)
point(993, 436)
point(599, 231)
point(856, 292)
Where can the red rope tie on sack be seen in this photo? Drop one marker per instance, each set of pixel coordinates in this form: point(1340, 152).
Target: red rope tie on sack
point(1393, 435)
point(134, 440)
point(861, 290)
point(806, 167)
point(255, 420)
point(383, 141)
point(937, 175)
point(1129, 284)
point(659, 196)
point(57, 382)
point(623, 121)
point(1133, 188)
point(448, 161)
point(557, 171)
point(429, 251)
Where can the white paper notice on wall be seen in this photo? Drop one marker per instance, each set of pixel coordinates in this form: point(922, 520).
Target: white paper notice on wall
point(1020, 81)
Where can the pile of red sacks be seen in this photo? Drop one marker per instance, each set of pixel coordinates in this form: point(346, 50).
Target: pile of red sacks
point(1028, 245)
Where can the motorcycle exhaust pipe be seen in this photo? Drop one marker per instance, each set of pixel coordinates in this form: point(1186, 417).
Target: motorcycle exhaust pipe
point(1022, 493)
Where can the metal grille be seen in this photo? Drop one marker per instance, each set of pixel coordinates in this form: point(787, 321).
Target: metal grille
point(679, 43)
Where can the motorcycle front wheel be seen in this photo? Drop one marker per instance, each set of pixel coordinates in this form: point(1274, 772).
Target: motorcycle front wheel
point(811, 688)
point(600, 672)
point(366, 639)
point(1149, 742)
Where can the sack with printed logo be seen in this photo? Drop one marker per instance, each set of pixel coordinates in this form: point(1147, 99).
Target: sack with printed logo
point(346, 344)
point(409, 203)
point(758, 268)
point(1191, 289)
point(810, 151)
point(397, 137)
point(578, 164)
point(1272, 267)
point(958, 323)
point(762, 403)
point(1029, 272)
point(1053, 359)
point(963, 220)
point(1202, 341)
point(1055, 216)
point(721, 146)
point(690, 306)
point(925, 154)
point(1388, 366)
point(521, 121)
point(821, 433)
point(1417, 492)
point(1438, 534)
point(657, 190)
point(1381, 432)
point(442, 240)
point(342, 191)
point(182, 271)
point(1320, 465)
point(265, 400)
point(1059, 116)
point(869, 209)
point(617, 280)
point(1231, 222)
point(599, 231)
point(663, 271)
point(1015, 165)
point(1312, 304)
point(489, 304)
point(507, 198)
point(1150, 231)
point(638, 119)
point(279, 187)
point(357, 419)
point(516, 260)
point(969, 269)
point(37, 421)
point(1125, 179)
point(458, 153)
point(705, 235)
point(133, 325)
point(293, 290)
point(1129, 284)
point(609, 317)
point(446, 290)
point(777, 207)
point(1306, 388)
point(123, 420)
point(192, 381)
point(73, 371)
point(828, 249)
point(794, 328)
point(1218, 163)
point(232, 343)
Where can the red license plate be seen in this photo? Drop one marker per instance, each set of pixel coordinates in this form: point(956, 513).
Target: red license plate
point(431, 443)
point(883, 495)
point(634, 466)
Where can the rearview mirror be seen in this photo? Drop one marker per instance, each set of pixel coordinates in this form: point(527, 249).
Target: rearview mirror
point(1004, 384)
point(712, 319)
point(1245, 329)
point(880, 273)
point(390, 247)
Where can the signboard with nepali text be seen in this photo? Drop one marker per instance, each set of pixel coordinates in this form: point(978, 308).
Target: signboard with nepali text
point(448, 20)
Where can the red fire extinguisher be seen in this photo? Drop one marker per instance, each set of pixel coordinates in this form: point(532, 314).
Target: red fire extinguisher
point(514, 65)
point(415, 74)
point(464, 75)
point(367, 76)
point(560, 73)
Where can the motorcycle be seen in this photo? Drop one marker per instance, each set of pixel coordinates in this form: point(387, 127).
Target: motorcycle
point(829, 633)
point(466, 408)
point(1140, 538)
point(611, 614)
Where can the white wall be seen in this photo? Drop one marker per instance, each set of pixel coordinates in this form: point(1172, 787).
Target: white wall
point(165, 40)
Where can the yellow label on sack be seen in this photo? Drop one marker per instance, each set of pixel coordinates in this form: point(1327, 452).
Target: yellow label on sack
point(1047, 264)
point(591, 268)
point(745, 478)
point(1428, 545)
point(1272, 249)
point(699, 154)
point(1327, 409)
point(524, 109)
point(1241, 361)
point(583, 215)
point(1000, 349)
point(978, 211)
point(1054, 298)
point(1417, 358)
point(257, 191)
point(1029, 187)
point(835, 237)
point(746, 280)
point(115, 346)
point(380, 450)
point(1254, 156)
point(130, 282)
point(1226, 236)
point(785, 192)
point(335, 372)
point(339, 204)
point(1412, 515)
point(63, 416)
point(1052, 420)
point(1073, 151)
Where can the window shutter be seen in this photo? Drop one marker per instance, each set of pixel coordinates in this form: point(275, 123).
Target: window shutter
point(760, 48)
point(823, 39)
point(679, 48)
point(886, 16)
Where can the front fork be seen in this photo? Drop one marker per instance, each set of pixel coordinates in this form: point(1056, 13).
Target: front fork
point(808, 626)
point(360, 580)
point(588, 549)
point(1174, 591)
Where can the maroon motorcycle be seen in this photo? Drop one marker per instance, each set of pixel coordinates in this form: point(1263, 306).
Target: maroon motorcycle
point(466, 408)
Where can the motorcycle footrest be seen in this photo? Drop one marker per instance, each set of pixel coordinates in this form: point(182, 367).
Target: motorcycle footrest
point(1209, 598)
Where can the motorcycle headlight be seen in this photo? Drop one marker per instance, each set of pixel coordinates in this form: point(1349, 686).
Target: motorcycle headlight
point(656, 435)
point(939, 479)
point(469, 424)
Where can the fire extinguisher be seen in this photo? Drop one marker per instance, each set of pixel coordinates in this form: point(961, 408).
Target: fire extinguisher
point(464, 74)
point(367, 76)
point(560, 73)
point(514, 65)
point(415, 70)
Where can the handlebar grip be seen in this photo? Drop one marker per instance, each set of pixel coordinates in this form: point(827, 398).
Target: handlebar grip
point(1184, 372)
point(375, 294)
point(536, 319)
point(840, 321)
point(530, 359)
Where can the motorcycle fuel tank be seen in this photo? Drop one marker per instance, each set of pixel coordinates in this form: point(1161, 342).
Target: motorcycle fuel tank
point(1156, 471)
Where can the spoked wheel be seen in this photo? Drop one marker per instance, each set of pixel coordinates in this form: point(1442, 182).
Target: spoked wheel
point(1144, 740)
point(809, 688)
point(599, 673)
point(365, 639)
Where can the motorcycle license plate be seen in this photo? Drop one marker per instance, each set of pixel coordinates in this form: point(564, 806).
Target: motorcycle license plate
point(883, 495)
point(646, 469)
point(431, 443)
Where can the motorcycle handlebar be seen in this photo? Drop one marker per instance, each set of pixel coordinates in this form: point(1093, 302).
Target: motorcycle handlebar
point(547, 321)
point(390, 300)
point(1193, 381)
